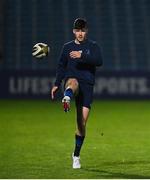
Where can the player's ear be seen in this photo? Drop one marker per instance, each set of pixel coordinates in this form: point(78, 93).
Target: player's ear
point(74, 31)
point(86, 30)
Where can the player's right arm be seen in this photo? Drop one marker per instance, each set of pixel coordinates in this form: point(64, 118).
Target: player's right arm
point(60, 72)
point(53, 91)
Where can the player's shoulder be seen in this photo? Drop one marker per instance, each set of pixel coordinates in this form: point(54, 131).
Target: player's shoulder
point(70, 43)
point(94, 44)
point(90, 41)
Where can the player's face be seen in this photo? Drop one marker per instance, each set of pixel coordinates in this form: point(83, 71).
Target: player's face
point(80, 34)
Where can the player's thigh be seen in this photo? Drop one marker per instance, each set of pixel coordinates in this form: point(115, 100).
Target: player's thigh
point(83, 103)
point(85, 114)
point(85, 95)
point(82, 117)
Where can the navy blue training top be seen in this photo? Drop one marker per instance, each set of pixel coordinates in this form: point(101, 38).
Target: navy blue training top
point(84, 68)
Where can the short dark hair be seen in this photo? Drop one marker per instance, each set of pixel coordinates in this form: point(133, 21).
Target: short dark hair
point(80, 23)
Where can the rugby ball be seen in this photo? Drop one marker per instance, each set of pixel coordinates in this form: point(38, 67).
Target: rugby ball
point(40, 50)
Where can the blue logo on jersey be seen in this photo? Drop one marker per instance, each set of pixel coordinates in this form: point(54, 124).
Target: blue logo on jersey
point(87, 51)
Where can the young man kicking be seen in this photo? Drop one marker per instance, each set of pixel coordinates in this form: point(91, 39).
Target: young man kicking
point(77, 67)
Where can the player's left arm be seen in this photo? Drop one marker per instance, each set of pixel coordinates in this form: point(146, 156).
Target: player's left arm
point(93, 56)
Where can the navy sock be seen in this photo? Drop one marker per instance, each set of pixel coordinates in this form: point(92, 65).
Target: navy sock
point(68, 92)
point(78, 144)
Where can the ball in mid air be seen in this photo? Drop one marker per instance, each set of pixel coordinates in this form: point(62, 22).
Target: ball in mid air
point(40, 50)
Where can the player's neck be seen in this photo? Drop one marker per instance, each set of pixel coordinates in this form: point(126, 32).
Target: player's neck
point(79, 42)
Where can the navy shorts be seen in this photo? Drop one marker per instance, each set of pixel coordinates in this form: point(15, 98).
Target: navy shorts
point(84, 96)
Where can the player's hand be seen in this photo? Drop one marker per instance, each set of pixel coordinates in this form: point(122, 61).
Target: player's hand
point(53, 91)
point(75, 54)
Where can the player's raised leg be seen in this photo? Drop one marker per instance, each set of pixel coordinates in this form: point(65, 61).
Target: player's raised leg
point(82, 117)
point(71, 87)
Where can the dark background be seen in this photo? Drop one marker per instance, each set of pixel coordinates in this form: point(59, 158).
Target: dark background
point(121, 27)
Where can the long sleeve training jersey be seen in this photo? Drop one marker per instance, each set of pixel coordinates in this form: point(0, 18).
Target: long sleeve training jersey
point(84, 68)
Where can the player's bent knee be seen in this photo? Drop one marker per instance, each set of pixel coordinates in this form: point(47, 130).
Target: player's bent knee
point(72, 81)
point(73, 84)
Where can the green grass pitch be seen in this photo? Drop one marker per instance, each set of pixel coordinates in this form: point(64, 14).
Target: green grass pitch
point(37, 139)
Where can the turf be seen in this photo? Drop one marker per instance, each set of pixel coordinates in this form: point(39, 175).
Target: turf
point(37, 139)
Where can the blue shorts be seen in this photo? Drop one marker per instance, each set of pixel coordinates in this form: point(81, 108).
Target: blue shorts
point(85, 95)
